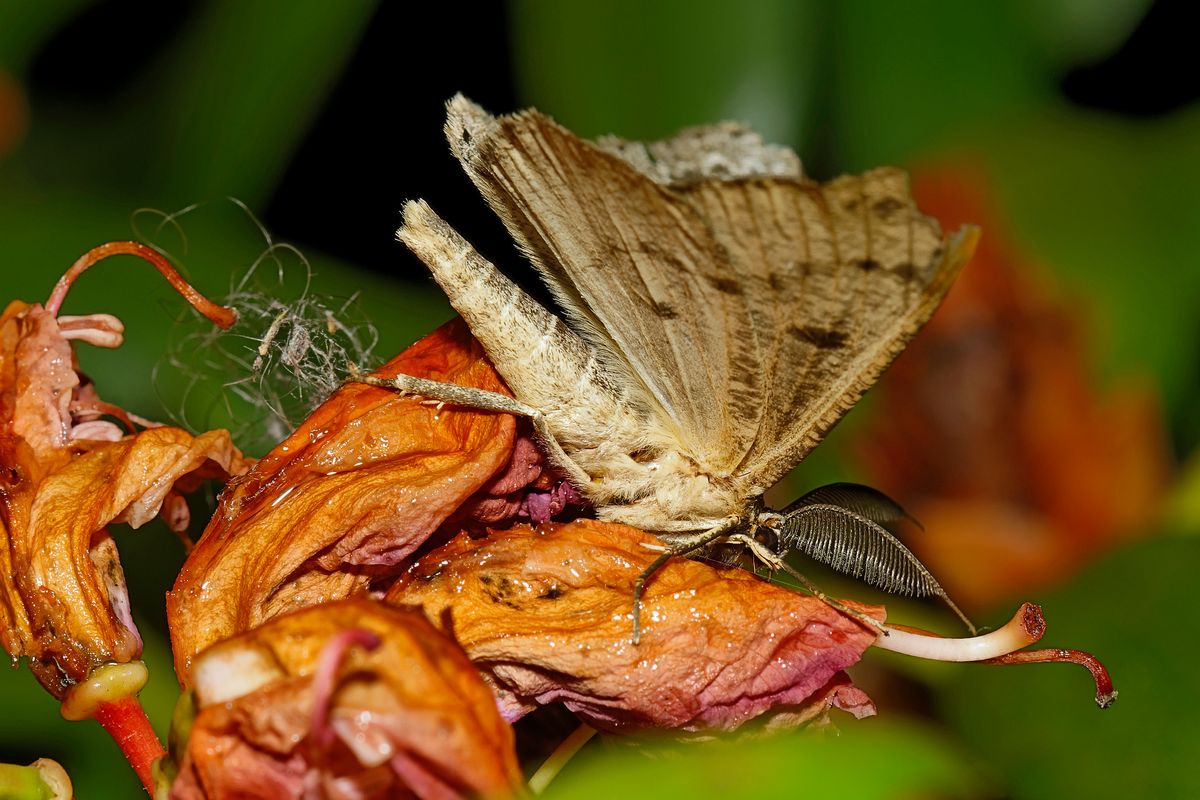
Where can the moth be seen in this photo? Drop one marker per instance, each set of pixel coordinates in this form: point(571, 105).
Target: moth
point(720, 313)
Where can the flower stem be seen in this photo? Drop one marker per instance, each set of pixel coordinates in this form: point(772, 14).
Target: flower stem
point(1002, 646)
point(126, 723)
point(220, 315)
point(565, 751)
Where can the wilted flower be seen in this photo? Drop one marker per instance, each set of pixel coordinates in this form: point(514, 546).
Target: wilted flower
point(344, 700)
point(70, 465)
point(348, 502)
point(344, 500)
point(546, 614)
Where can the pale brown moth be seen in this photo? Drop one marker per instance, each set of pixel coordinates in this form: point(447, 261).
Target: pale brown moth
point(721, 312)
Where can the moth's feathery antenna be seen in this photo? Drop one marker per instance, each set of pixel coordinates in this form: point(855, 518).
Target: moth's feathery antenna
point(864, 500)
point(855, 545)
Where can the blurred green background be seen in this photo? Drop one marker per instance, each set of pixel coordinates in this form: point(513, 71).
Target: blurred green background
point(321, 118)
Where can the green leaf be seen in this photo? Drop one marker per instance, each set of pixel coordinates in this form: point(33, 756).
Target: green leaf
point(26, 24)
point(1182, 508)
point(870, 759)
point(1037, 724)
point(906, 77)
point(1111, 208)
point(236, 95)
point(644, 70)
point(1077, 31)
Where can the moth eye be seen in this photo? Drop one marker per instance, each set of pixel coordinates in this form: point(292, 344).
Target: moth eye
point(768, 538)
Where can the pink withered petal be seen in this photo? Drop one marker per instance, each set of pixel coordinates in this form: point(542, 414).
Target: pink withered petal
point(299, 708)
point(546, 615)
point(500, 498)
point(38, 376)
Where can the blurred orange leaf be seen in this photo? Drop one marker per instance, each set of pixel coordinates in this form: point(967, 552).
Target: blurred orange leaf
point(992, 431)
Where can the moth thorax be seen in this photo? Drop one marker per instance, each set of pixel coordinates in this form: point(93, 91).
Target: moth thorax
point(672, 495)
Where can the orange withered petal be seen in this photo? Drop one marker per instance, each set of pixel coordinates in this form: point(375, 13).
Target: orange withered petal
point(63, 479)
point(546, 615)
point(349, 699)
point(359, 486)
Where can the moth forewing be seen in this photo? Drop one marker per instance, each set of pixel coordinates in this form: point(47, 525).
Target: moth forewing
point(629, 263)
point(546, 365)
point(598, 422)
point(720, 311)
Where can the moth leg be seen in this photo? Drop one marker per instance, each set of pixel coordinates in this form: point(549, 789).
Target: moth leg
point(834, 603)
point(679, 547)
point(775, 563)
point(470, 397)
point(761, 552)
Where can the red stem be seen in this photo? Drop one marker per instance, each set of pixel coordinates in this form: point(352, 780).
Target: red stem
point(126, 723)
point(220, 315)
point(1105, 693)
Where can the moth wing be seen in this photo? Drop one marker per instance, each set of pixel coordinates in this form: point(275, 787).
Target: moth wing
point(842, 275)
point(634, 267)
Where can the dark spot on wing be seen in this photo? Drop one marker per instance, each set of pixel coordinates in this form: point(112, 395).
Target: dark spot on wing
point(721, 255)
point(851, 205)
point(868, 264)
point(887, 206)
point(905, 271)
point(664, 310)
point(644, 455)
point(774, 281)
point(725, 285)
point(553, 593)
point(823, 338)
point(659, 254)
